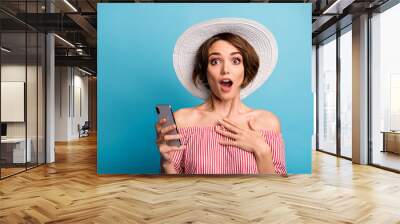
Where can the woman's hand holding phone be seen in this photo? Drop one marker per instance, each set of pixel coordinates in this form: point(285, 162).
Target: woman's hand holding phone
point(166, 150)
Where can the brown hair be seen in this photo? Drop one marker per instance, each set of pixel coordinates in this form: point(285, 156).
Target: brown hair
point(251, 61)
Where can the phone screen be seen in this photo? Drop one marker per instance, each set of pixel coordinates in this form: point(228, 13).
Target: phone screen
point(165, 111)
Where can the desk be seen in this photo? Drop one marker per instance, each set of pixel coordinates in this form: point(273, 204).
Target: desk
point(391, 141)
point(13, 150)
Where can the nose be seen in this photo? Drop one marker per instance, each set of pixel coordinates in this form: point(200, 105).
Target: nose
point(225, 69)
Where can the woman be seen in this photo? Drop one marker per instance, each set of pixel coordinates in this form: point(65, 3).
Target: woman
point(223, 135)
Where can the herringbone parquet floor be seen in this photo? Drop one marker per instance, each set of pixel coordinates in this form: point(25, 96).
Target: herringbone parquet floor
point(70, 191)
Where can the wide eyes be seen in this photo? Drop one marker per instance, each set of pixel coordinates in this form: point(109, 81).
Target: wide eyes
point(236, 60)
point(215, 61)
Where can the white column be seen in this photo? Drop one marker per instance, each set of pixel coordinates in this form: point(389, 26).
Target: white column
point(50, 92)
point(50, 100)
point(360, 90)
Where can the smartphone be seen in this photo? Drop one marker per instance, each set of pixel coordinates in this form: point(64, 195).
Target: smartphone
point(165, 111)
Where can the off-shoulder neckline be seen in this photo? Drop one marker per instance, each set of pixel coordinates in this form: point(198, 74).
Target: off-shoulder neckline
point(212, 127)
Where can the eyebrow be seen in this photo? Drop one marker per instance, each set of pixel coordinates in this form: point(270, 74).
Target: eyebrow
point(216, 53)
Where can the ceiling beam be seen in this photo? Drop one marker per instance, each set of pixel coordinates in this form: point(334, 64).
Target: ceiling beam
point(337, 6)
point(90, 31)
point(84, 61)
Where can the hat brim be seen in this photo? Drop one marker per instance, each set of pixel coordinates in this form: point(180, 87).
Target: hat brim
point(257, 35)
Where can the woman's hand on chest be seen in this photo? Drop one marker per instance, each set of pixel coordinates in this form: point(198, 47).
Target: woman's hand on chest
point(248, 139)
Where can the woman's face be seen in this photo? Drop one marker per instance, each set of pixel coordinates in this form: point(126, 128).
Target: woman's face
point(225, 70)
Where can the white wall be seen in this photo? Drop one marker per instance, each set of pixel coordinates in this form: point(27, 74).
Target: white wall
point(62, 81)
point(71, 94)
point(15, 72)
point(33, 127)
point(81, 103)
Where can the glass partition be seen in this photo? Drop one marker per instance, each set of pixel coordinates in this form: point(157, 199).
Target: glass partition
point(22, 78)
point(41, 107)
point(14, 153)
point(32, 95)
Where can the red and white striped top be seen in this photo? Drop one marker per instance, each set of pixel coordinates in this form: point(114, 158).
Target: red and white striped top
point(204, 155)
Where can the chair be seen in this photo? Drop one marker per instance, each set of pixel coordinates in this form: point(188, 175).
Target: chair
point(84, 130)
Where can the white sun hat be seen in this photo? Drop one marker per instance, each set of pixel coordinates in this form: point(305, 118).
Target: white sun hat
point(257, 35)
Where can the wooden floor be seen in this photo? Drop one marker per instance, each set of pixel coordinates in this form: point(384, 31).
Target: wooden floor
point(9, 171)
point(5, 172)
point(387, 159)
point(70, 191)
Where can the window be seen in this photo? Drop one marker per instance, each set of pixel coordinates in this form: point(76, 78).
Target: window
point(346, 93)
point(327, 96)
point(385, 88)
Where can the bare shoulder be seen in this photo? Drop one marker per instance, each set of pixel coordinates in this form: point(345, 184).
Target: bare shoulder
point(266, 120)
point(185, 116)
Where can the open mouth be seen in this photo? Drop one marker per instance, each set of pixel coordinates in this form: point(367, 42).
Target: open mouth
point(226, 82)
point(226, 85)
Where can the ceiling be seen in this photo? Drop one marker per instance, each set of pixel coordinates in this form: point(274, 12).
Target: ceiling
point(76, 22)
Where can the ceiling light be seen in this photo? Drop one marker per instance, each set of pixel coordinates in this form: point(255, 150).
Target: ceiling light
point(5, 50)
point(84, 71)
point(70, 5)
point(329, 9)
point(338, 6)
point(65, 41)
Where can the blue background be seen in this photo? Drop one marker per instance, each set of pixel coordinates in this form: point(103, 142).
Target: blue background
point(135, 72)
